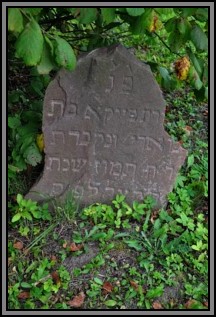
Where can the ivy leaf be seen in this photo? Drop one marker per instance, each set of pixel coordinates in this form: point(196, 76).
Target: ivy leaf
point(108, 14)
point(29, 45)
point(135, 11)
point(87, 15)
point(15, 20)
point(64, 54)
point(199, 38)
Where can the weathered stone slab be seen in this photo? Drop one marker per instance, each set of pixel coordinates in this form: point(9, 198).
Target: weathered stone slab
point(104, 134)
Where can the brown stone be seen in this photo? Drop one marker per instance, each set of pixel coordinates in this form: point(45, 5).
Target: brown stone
point(104, 134)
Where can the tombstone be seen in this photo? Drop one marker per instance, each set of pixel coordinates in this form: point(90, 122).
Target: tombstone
point(104, 134)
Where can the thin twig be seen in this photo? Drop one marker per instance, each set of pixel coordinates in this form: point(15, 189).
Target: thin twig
point(164, 43)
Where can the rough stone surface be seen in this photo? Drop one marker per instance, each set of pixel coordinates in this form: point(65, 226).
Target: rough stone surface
point(104, 134)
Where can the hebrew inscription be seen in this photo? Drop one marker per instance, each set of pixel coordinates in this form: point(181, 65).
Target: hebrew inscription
point(104, 134)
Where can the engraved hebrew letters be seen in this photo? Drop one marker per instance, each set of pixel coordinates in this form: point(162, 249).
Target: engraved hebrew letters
point(104, 134)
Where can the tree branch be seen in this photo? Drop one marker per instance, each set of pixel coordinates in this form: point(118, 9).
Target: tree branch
point(164, 43)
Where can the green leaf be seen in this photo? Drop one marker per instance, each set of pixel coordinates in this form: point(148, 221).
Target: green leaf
point(98, 281)
point(29, 45)
point(202, 14)
point(27, 215)
point(134, 244)
point(16, 217)
point(188, 12)
point(32, 155)
point(155, 292)
point(184, 28)
point(36, 214)
point(64, 54)
point(190, 160)
point(164, 11)
point(142, 22)
point(47, 63)
point(198, 83)
point(33, 11)
point(73, 10)
point(176, 40)
point(108, 14)
point(199, 38)
point(87, 15)
point(19, 198)
point(25, 285)
point(15, 20)
point(135, 11)
point(110, 303)
point(167, 82)
point(195, 79)
point(13, 122)
point(171, 25)
point(196, 62)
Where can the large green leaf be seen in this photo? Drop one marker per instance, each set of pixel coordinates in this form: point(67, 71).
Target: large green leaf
point(29, 45)
point(171, 25)
point(15, 20)
point(33, 11)
point(108, 14)
point(199, 38)
point(188, 11)
point(202, 14)
point(198, 64)
point(167, 81)
point(47, 62)
point(176, 40)
point(14, 122)
point(87, 15)
point(135, 11)
point(194, 78)
point(142, 22)
point(64, 54)
point(184, 27)
point(164, 11)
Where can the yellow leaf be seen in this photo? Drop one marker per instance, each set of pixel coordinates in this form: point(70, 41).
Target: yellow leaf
point(40, 142)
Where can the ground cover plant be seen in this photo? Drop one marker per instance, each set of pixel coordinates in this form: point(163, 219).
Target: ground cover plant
point(109, 256)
